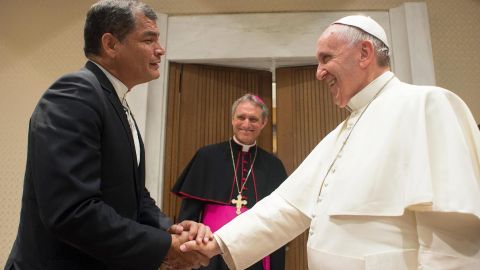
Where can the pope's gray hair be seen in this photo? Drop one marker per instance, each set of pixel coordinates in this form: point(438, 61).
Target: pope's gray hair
point(355, 35)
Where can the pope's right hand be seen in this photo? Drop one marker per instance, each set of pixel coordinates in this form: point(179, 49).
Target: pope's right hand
point(209, 249)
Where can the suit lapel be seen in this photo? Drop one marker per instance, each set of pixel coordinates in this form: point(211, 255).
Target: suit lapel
point(140, 173)
point(115, 101)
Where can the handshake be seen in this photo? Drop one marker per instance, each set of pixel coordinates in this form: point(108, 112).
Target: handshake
point(192, 246)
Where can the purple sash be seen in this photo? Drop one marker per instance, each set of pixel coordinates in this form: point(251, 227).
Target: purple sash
point(216, 215)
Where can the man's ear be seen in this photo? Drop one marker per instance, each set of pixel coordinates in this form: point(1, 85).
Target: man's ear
point(264, 122)
point(367, 53)
point(109, 44)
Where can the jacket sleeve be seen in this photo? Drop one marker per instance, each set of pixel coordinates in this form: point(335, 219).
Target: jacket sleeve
point(151, 215)
point(65, 144)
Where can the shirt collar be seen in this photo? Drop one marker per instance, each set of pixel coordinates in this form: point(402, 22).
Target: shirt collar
point(245, 147)
point(362, 98)
point(119, 87)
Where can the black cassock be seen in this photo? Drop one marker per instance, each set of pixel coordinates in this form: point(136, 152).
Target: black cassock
point(209, 179)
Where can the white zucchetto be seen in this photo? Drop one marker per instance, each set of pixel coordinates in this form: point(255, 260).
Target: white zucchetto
point(366, 24)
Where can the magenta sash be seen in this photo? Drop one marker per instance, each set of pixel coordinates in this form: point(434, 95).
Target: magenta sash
point(216, 215)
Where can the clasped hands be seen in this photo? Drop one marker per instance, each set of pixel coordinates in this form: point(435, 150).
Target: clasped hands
point(185, 232)
point(205, 248)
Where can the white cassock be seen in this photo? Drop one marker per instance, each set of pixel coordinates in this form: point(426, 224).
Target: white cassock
point(402, 193)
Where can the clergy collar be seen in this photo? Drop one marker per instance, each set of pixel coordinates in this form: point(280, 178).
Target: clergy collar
point(362, 98)
point(119, 87)
point(245, 147)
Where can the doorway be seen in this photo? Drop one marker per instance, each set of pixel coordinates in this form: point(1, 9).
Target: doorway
point(199, 113)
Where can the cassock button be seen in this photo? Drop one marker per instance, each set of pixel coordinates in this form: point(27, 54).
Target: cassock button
point(311, 232)
point(326, 184)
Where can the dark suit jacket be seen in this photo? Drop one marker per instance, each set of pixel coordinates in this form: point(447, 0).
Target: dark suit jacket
point(85, 205)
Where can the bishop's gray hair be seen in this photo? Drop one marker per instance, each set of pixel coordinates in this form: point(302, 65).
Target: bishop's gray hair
point(112, 16)
point(256, 100)
point(355, 35)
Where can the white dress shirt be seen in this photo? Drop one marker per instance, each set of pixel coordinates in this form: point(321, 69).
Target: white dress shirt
point(122, 92)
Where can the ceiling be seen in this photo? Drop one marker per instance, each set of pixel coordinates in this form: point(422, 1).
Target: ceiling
point(182, 7)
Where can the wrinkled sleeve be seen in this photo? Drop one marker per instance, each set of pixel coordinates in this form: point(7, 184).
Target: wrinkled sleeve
point(271, 223)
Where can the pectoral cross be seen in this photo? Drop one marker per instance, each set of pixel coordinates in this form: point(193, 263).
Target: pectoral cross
point(238, 203)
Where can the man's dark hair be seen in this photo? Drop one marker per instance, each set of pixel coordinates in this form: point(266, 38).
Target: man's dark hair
point(112, 16)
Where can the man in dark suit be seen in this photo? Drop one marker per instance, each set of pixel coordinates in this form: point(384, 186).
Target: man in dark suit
point(85, 205)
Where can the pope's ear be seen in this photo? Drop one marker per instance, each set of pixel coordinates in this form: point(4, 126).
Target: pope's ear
point(367, 53)
point(109, 44)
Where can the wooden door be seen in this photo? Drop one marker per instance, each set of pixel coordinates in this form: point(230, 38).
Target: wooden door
point(305, 114)
point(199, 113)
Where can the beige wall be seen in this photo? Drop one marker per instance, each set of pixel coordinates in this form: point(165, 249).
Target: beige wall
point(455, 31)
point(41, 40)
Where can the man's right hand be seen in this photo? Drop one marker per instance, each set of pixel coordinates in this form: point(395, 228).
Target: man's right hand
point(177, 259)
point(198, 231)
